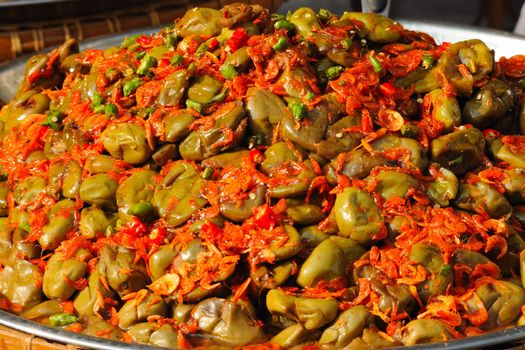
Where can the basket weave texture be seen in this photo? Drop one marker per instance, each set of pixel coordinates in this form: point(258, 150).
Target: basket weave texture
point(22, 38)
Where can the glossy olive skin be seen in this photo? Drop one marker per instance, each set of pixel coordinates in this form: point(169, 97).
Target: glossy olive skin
point(357, 216)
point(294, 335)
point(127, 141)
point(501, 152)
point(136, 189)
point(174, 88)
point(474, 55)
point(95, 221)
point(85, 302)
point(482, 197)
point(311, 130)
point(22, 107)
point(239, 211)
point(199, 21)
point(304, 19)
point(204, 89)
point(330, 259)
point(271, 277)
point(201, 144)
point(460, 151)
point(337, 140)
point(134, 311)
point(418, 156)
point(226, 322)
point(444, 188)
point(21, 283)
point(502, 300)
point(115, 259)
point(178, 196)
point(514, 183)
point(99, 190)
point(265, 109)
point(430, 257)
point(176, 125)
point(59, 271)
point(311, 313)
point(60, 222)
point(374, 27)
point(424, 331)
point(348, 326)
point(445, 109)
point(492, 102)
point(93, 325)
point(392, 184)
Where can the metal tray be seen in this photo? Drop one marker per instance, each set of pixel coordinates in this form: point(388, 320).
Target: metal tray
point(504, 44)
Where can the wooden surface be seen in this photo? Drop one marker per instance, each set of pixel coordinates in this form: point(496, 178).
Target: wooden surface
point(25, 37)
point(14, 340)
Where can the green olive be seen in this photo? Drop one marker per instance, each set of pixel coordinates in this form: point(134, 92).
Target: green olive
point(358, 217)
point(176, 125)
point(348, 326)
point(303, 213)
point(460, 151)
point(60, 221)
point(425, 331)
point(310, 313)
point(430, 257)
point(134, 311)
point(265, 110)
point(309, 131)
point(21, 283)
point(199, 21)
point(174, 87)
point(99, 190)
point(126, 141)
point(330, 259)
point(226, 322)
point(392, 184)
point(94, 221)
point(100, 163)
point(481, 197)
point(445, 109)
point(59, 271)
point(374, 27)
point(86, 302)
point(418, 156)
point(136, 189)
point(114, 260)
point(204, 89)
point(240, 210)
point(444, 188)
point(305, 20)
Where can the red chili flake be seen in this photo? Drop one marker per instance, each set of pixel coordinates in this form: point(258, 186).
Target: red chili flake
point(264, 217)
point(387, 89)
point(238, 39)
point(134, 228)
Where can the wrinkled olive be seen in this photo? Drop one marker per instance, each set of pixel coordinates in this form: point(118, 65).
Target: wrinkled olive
point(126, 141)
point(60, 272)
point(481, 197)
point(349, 325)
point(99, 189)
point(134, 311)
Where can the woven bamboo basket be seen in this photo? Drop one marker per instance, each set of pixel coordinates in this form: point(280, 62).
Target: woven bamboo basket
point(26, 36)
point(22, 38)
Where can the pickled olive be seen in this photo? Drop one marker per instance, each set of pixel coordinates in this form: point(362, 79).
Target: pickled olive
point(337, 139)
point(425, 331)
point(355, 164)
point(501, 151)
point(430, 257)
point(444, 188)
point(482, 198)
point(95, 221)
point(472, 55)
point(126, 141)
point(21, 283)
point(460, 151)
point(358, 217)
point(489, 104)
point(227, 323)
point(417, 155)
point(445, 109)
point(134, 311)
point(501, 299)
point(85, 302)
point(311, 130)
point(348, 326)
point(239, 211)
point(294, 335)
point(228, 129)
point(199, 21)
point(514, 183)
point(332, 258)
point(166, 336)
point(264, 277)
point(137, 189)
point(60, 220)
point(93, 325)
point(174, 88)
point(100, 190)
point(60, 272)
point(374, 27)
point(179, 196)
point(305, 20)
point(310, 313)
point(114, 260)
point(391, 184)
point(204, 89)
point(24, 105)
point(265, 109)
point(303, 213)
